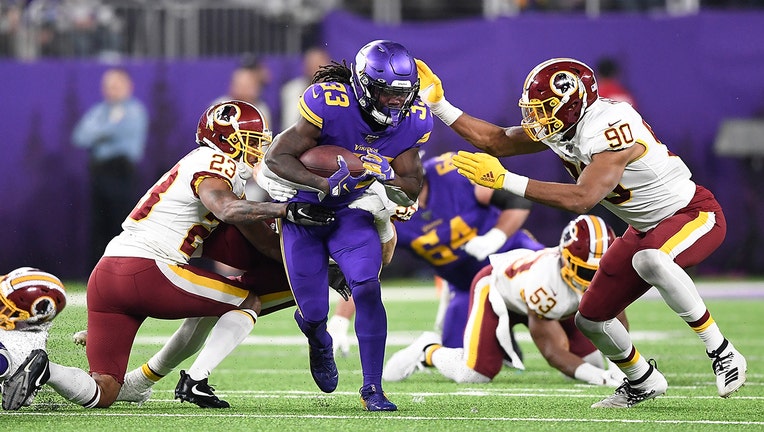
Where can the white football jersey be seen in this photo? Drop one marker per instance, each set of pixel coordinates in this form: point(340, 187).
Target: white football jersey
point(170, 222)
point(653, 187)
point(531, 281)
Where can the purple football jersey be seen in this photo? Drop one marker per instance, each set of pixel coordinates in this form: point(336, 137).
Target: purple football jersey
point(450, 218)
point(333, 108)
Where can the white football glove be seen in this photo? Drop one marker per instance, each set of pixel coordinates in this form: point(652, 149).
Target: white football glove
point(337, 327)
point(375, 202)
point(277, 190)
point(482, 246)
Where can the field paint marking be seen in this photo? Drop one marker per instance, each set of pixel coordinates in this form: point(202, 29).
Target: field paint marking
point(89, 413)
point(393, 338)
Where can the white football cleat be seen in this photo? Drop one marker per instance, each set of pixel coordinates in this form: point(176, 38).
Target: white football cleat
point(628, 395)
point(406, 361)
point(729, 367)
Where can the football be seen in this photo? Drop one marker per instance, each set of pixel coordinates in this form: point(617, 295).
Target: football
point(322, 160)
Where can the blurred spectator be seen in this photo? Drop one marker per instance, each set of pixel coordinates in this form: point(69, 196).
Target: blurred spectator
point(312, 59)
point(114, 133)
point(247, 83)
point(609, 82)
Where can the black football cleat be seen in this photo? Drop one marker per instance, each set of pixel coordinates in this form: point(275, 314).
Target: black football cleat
point(28, 378)
point(197, 392)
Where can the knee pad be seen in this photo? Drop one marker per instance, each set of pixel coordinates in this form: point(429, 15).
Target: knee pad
point(589, 327)
point(647, 263)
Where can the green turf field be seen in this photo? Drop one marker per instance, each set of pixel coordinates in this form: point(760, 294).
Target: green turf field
point(269, 386)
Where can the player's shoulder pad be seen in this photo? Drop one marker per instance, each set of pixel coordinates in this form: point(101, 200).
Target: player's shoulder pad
point(605, 124)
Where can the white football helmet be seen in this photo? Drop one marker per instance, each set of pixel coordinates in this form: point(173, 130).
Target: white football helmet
point(29, 296)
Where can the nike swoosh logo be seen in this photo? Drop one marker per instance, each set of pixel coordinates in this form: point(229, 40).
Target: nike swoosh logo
point(315, 95)
point(302, 213)
point(27, 368)
point(198, 392)
point(613, 124)
point(38, 382)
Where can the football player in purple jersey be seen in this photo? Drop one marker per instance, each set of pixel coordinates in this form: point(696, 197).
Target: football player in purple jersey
point(456, 227)
point(372, 109)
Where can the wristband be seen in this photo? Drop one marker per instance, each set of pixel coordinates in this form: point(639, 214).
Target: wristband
point(385, 229)
point(446, 112)
point(515, 183)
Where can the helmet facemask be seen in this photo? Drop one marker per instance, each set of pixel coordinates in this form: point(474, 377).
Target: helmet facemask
point(583, 243)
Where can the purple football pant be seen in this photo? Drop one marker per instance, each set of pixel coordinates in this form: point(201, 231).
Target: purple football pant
point(353, 242)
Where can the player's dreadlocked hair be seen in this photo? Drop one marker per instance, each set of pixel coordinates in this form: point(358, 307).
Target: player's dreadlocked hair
point(333, 72)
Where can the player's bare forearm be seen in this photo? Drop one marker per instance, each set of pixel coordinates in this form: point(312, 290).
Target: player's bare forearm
point(243, 212)
point(571, 197)
point(494, 139)
point(411, 186)
point(553, 344)
point(409, 176)
point(283, 156)
point(290, 168)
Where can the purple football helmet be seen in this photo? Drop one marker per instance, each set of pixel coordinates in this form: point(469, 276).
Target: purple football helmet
point(385, 81)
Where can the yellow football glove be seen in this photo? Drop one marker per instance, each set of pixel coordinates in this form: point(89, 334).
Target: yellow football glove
point(430, 87)
point(481, 168)
point(431, 92)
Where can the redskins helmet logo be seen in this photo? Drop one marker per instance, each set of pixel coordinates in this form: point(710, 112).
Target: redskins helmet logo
point(44, 309)
point(227, 115)
point(563, 83)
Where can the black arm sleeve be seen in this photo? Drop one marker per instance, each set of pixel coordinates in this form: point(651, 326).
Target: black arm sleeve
point(506, 200)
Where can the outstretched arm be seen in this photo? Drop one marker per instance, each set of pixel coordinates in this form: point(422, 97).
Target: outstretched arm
point(596, 181)
point(486, 136)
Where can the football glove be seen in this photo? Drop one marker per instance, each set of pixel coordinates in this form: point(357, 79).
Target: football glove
point(404, 213)
point(378, 166)
point(430, 87)
point(307, 214)
point(337, 281)
point(481, 168)
point(342, 182)
point(277, 191)
point(482, 246)
point(432, 94)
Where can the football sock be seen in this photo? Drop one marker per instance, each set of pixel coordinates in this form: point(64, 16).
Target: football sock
point(230, 330)
point(679, 292)
point(74, 384)
point(452, 363)
point(184, 343)
point(370, 329)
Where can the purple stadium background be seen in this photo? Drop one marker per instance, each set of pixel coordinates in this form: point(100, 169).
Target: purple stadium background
point(688, 74)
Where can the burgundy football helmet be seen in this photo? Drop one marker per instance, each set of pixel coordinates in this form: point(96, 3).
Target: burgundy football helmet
point(582, 245)
point(236, 128)
point(29, 296)
point(555, 95)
